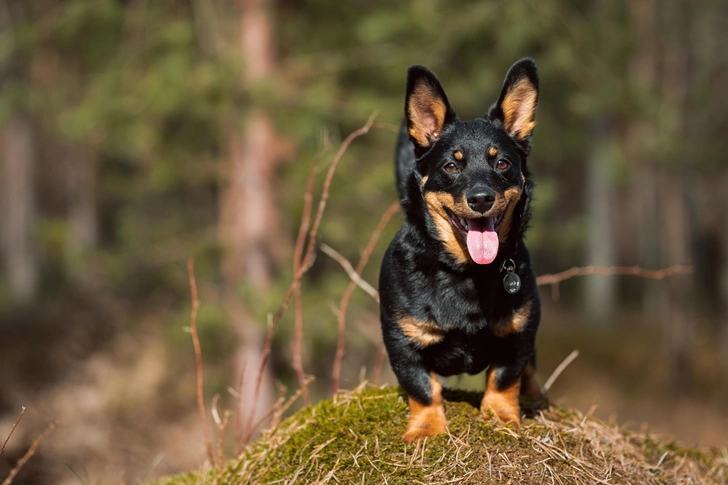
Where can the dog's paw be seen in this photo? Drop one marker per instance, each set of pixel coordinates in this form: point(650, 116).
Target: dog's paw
point(429, 422)
point(507, 416)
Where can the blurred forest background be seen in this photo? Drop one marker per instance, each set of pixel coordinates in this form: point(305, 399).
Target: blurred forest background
point(139, 133)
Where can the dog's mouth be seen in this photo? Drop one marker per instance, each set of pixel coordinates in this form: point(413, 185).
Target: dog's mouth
point(480, 235)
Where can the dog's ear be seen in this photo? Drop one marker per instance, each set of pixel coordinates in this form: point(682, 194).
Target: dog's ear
point(516, 106)
point(426, 107)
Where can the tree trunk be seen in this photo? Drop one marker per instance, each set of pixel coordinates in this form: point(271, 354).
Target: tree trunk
point(641, 134)
point(19, 214)
point(677, 221)
point(600, 290)
point(249, 228)
point(81, 197)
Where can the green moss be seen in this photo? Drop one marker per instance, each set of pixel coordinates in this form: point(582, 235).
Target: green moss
point(356, 438)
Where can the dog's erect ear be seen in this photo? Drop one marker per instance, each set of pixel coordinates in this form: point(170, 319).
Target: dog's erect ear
point(516, 106)
point(426, 107)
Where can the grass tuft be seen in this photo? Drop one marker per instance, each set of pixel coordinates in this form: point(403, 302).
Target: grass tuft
point(356, 438)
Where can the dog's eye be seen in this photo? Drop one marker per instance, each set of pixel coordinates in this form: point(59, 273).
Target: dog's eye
point(502, 164)
point(450, 167)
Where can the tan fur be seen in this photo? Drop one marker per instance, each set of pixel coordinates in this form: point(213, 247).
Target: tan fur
point(426, 421)
point(454, 244)
point(492, 151)
point(501, 402)
point(458, 155)
point(515, 323)
point(511, 198)
point(422, 333)
point(519, 106)
point(452, 241)
point(427, 115)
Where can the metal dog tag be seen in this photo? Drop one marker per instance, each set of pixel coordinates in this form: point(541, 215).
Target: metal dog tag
point(511, 282)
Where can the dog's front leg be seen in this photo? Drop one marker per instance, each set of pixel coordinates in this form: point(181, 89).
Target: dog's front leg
point(501, 393)
point(427, 416)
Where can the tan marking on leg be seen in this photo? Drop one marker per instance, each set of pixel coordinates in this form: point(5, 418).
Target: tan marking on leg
point(502, 402)
point(424, 179)
point(515, 323)
point(426, 421)
point(492, 151)
point(422, 333)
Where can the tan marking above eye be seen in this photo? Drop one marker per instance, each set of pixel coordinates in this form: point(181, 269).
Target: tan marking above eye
point(458, 155)
point(492, 151)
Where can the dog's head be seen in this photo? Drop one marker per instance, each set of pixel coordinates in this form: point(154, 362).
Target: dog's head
point(473, 174)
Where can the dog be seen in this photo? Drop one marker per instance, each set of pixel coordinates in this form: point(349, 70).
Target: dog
point(457, 290)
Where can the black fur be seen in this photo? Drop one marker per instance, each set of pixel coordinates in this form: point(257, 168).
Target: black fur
point(421, 279)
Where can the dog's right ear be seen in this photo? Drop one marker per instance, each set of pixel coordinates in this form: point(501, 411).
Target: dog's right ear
point(426, 107)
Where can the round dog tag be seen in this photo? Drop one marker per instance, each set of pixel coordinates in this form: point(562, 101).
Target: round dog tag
point(512, 283)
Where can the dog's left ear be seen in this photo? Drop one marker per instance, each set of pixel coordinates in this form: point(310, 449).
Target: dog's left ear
point(516, 106)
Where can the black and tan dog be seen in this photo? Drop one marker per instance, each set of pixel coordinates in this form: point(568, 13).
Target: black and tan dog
point(457, 290)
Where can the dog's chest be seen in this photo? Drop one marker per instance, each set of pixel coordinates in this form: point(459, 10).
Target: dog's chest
point(465, 305)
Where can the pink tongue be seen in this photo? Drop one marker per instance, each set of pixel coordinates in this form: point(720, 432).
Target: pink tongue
point(482, 240)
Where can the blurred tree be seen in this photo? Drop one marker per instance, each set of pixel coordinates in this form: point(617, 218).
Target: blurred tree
point(250, 229)
point(18, 160)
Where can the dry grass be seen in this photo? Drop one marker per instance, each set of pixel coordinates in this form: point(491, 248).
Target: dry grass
point(355, 438)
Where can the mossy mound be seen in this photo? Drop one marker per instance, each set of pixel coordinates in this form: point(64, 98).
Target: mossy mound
point(356, 438)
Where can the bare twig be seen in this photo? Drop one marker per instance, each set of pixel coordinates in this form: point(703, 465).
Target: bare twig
point(28, 454)
point(307, 259)
point(198, 359)
point(353, 275)
point(655, 274)
point(20, 416)
point(221, 424)
point(297, 261)
point(356, 280)
point(238, 394)
point(557, 372)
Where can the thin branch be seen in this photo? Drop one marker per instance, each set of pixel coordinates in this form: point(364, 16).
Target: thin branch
point(557, 372)
point(28, 454)
point(297, 260)
point(238, 394)
point(356, 280)
point(20, 416)
point(198, 360)
point(353, 275)
point(655, 274)
point(307, 259)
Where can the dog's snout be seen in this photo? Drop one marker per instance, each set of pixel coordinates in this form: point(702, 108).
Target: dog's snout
point(481, 200)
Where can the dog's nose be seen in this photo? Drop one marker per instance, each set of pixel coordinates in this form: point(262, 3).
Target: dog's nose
point(481, 200)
